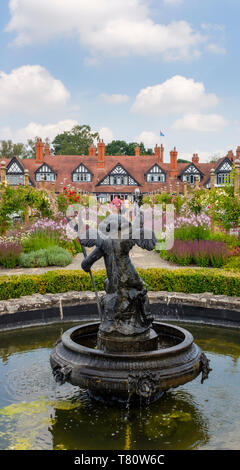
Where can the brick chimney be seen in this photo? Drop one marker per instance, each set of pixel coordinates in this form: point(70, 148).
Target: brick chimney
point(39, 150)
point(230, 155)
point(47, 149)
point(137, 151)
point(101, 154)
point(173, 163)
point(195, 158)
point(161, 153)
point(92, 151)
point(158, 152)
point(238, 152)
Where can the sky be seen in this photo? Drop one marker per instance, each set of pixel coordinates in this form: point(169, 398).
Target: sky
point(127, 68)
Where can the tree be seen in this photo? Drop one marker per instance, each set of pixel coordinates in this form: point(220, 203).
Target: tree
point(74, 142)
point(117, 147)
point(120, 147)
point(29, 150)
point(9, 150)
point(214, 158)
point(182, 160)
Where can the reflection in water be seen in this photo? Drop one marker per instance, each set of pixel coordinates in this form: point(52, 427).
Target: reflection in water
point(173, 423)
point(36, 413)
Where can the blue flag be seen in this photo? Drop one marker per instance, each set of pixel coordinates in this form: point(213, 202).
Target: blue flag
point(161, 134)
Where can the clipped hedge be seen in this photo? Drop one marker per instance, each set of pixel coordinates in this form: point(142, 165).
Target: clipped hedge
point(186, 280)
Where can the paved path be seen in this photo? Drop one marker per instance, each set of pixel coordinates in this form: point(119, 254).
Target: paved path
point(141, 259)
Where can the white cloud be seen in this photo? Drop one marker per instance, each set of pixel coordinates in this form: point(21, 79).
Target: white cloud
point(176, 95)
point(173, 2)
point(119, 28)
point(34, 129)
point(201, 123)
point(106, 134)
point(216, 49)
point(213, 27)
point(31, 89)
point(149, 138)
point(115, 99)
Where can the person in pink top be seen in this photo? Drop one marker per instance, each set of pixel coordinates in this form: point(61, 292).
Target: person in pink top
point(117, 202)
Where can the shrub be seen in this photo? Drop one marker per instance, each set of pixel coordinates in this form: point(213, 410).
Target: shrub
point(9, 254)
point(34, 259)
point(41, 239)
point(194, 227)
point(199, 252)
point(54, 256)
point(233, 263)
point(57, 256)
point(188, 280)
point(232, 241)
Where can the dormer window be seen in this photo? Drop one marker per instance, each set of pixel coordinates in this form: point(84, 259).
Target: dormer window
point(156, 175)
point(190, 174)
point(222, 173)
point(81, 174)
point(118, 176)
point(45, 173)
point(15, 173)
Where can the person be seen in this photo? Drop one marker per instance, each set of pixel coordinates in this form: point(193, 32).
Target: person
point(117, 202)
point(126, 204)
point(123, 208)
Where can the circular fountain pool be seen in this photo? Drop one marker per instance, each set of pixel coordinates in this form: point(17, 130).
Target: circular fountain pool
point(37, 413)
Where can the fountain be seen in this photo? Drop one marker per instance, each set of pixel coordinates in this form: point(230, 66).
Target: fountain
point(126, 355)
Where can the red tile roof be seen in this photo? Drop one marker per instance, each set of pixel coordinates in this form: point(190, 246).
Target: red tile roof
point(136, 166)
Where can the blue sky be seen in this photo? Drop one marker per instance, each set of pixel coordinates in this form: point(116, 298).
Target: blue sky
point(128, 68)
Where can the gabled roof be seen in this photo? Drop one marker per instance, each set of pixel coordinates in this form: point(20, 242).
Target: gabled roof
point(221, 162)
point(159, 166)
point(125, 172)
point(189, 165)
point(136, 167)
point(13, 161)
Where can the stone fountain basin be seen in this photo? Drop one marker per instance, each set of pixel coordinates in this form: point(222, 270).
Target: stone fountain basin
point(76, 359)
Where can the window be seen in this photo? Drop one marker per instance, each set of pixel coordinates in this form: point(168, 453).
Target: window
point(155, 175)
point(15, 173)
point(222, 178)
point(118, 177)
point(222, 175)
point(81, 174)
point(190, 174)
point(45, 173)
point(225, 167)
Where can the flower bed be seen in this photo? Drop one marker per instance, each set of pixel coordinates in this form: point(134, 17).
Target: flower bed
point(38, 240)
point(199, 252)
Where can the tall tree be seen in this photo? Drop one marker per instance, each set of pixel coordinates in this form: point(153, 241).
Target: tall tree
point(29, 150)
point(9, 150)
point(120, 147)
point(74, 142)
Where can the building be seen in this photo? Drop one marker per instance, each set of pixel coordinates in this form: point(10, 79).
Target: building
point(106, 176)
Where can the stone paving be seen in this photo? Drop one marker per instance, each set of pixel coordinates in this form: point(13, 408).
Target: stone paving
point(141, 259)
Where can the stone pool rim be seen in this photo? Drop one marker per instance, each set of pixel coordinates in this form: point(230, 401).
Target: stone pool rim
point(184, 344)
point(39, 310)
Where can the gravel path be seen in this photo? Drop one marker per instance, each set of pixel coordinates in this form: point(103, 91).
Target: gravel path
point(141, 259)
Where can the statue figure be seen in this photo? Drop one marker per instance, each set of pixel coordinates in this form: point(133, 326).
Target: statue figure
point(125, 306)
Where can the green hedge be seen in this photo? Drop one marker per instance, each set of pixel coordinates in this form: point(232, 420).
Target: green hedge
point(172, 280)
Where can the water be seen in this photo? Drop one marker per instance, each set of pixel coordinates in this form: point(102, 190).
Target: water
point(36, 413)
